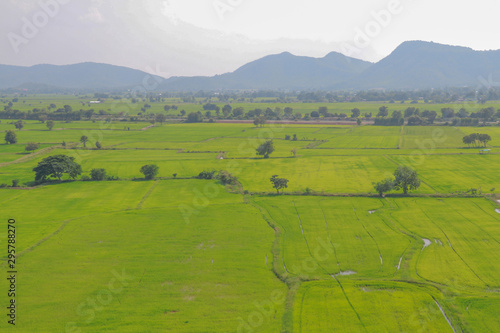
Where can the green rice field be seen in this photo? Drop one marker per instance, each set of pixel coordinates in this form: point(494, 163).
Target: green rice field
point(182, 254)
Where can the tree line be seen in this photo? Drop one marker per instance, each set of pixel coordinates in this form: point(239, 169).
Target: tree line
point(476, 139)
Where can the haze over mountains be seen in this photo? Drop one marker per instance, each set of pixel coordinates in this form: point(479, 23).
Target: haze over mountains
point(413, 65)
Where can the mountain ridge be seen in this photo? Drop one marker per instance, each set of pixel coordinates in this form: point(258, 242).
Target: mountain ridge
point(412, 65)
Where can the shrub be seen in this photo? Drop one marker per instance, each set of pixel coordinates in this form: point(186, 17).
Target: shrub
point(206, 174)
point(226, 178)
point(98, 174)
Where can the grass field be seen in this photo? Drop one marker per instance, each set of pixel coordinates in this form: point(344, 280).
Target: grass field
point(190, 255)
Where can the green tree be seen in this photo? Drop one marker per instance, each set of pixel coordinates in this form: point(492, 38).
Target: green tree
point(149, 171)
point(266, 148)
point(160, 118)
point(279, 183)
point(19, 124)
point(260, 121)
point(207, 174)
point(355, 113)
point(98, 174)
point(226, 178)
point(358, 122)
point(288, 112)
point(84, 139)
point(15, 182)
point(10, 137)
point(50, 124)
point(384, 186)
point(55, 166)
point(98, 145)
point(406, 179)
point(484, 138)
point(31, 146)
point(383, 111)
point(194, 117)
point(226, 110)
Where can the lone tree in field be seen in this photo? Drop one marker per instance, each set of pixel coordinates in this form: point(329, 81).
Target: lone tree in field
point(55, 166)
point(355, 113)
point(160, 118)
point(98, 174)
point(149, 171)
point(84, 139)
point(279, 183)
point(19, 124)
point(31, 146)
point(384, 186)
point(98, 145)
point(266, 148)
point(10, 137)
point(50, 124)
point(406, 179)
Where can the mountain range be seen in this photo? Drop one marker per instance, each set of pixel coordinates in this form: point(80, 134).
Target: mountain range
point(412, 65)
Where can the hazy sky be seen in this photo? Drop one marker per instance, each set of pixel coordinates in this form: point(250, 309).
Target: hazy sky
point(207, 37)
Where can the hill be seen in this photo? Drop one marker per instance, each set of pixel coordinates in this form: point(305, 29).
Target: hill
point(280, 71)
point(88, 76)
point(418, 64)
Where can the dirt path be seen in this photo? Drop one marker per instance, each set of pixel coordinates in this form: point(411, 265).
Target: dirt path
point(31, 156)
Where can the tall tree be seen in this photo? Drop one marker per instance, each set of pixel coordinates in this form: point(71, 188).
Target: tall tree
point(55, 166)
point(383, 111)
point(384, 186)
point(49, 124)
point(84, 139)
point(355, 113)
point(10, 137)
point(406, 179)
point(266, 148)
point(279, 183)
point(160, 118)
point(149, 171)
point(19, 124)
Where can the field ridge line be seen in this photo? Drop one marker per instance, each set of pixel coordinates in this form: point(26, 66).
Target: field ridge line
point(30, 157)
point(449, 242)
point(139, 206)
point(444, 314)
point(329, 238)
point(376, 244)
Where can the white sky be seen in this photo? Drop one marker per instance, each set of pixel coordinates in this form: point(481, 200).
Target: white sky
point(206, 37)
